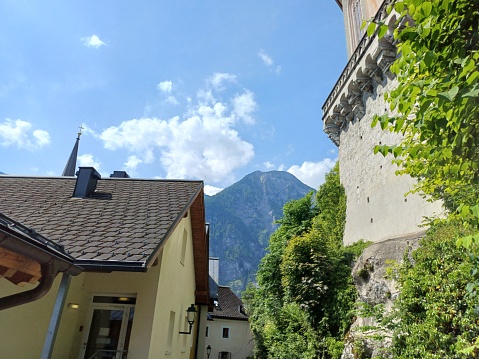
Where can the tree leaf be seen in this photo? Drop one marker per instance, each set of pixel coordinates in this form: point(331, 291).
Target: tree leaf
point(383, 29)
point(371, 29)
point(426, 8)
point(449, 95)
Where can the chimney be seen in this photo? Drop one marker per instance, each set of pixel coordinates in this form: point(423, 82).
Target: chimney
point(119, 174)
point(86, 182)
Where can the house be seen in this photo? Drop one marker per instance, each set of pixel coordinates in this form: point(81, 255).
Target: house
point(142, 247)
point(228, 333)
point(377, 208)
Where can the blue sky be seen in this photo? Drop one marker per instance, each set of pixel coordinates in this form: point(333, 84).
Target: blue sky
point(209, 90)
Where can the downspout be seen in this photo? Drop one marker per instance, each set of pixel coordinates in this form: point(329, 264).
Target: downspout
point(198, 331)
point(48, 276)
point(56, 316)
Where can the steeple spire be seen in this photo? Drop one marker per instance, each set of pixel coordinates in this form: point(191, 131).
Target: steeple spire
point(72, 160)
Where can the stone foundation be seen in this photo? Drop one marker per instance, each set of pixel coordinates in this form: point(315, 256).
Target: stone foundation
point(374, 287)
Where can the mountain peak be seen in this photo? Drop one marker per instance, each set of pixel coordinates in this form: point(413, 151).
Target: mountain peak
point(243, 216)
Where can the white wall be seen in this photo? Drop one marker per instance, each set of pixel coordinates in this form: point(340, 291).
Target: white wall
point(240, 343)
point(377, 208)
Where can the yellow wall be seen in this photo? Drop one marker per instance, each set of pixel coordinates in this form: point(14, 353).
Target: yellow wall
point(176, 292)
point(23, 328)
point(167, 287)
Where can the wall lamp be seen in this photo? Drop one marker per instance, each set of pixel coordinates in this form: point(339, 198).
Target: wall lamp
point(208, 351)
point(190, 317)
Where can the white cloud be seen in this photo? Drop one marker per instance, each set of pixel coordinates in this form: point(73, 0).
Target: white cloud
point(219, 78)
point(93, 41)
point(268, 61)
point(42, 137)
point(87, 160)
point(244, 106)
point(87, 131)
point(211, 190)
point(131, 164)
point(165, 86)
point(268, 165)
point(172, 100)
point(204, 145)
point(312, 173)
point(18, 133)
point(265, 58)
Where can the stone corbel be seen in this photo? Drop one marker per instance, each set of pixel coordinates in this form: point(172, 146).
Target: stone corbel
point(359, 110)
point(385, 60)
point(338, 119)
point(333, 133)
point(344, 107)
point(346, 110)
point(355, 99)
point(364, 83)
point(374, 72)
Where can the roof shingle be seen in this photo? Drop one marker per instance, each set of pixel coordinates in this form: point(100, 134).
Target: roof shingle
point(125, 219)
point(229, 305)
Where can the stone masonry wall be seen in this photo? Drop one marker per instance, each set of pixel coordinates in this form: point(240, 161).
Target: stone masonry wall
point(377, 208)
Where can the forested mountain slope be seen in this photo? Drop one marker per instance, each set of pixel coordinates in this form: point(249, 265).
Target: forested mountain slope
point(242, 218)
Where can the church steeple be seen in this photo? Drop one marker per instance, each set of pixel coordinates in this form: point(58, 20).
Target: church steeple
point(72, 160)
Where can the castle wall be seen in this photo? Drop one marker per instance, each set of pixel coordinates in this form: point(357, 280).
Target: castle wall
point(377, 208)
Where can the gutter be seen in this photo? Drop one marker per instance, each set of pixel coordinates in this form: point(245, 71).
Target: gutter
point(111, 266)
point(49, 272)
point(25, 242)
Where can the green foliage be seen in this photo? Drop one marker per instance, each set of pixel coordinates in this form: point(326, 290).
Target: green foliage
point(436, 101)
point(303, 305)
point(435, 107)
point(298, 215)
point(434, 315)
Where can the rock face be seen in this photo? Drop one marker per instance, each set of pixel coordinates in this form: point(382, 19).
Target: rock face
point(242, 218)
point(374, 287)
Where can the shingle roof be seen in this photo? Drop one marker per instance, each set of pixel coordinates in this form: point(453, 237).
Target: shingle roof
point(229, 305)
point(125, 220)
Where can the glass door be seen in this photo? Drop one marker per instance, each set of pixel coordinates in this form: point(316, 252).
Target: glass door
point(109, 332)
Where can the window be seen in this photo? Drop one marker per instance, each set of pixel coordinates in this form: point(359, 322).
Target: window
point(224, 355)
point(207, 331)
point(183, 247)
point(226, 332)
point(171, 327)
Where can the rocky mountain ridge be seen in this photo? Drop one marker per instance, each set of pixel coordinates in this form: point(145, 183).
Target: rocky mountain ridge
point(242, 217)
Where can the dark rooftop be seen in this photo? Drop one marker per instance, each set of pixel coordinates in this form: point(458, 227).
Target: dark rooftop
point(124, 220)
point(229, 305)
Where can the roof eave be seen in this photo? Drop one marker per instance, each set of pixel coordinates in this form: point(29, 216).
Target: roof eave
point(91, 265)
point(228, 318)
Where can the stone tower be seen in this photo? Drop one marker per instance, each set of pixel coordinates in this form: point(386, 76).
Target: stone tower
point(377, 208)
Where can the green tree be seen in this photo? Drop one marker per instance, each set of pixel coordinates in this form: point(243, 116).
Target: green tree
point(266, 302)
point(303, 304)
point(434, 317)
